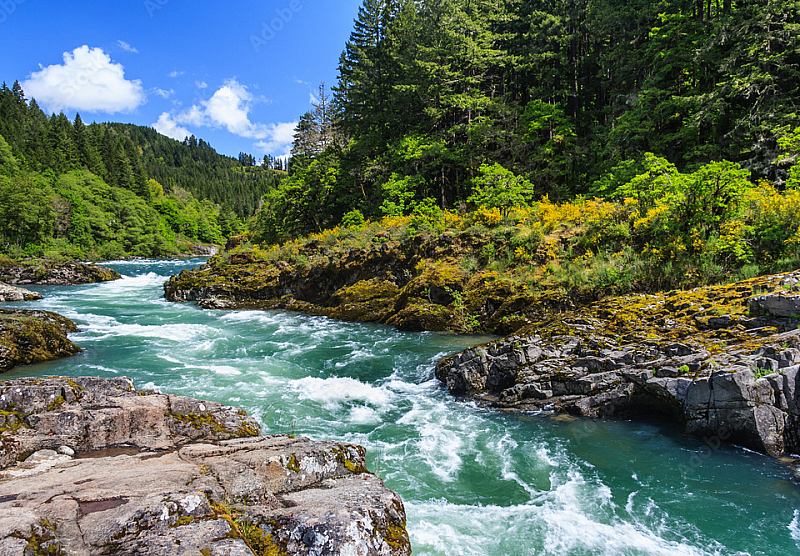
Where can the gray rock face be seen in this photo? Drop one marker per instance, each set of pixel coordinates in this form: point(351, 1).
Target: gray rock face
point(13, 293)
point(116, 470)
point(712, 396)
point(776, 305)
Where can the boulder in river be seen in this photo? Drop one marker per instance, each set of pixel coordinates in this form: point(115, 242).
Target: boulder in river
point(53, 273)
point(13, 293)
point(33, 336)
point(94, 466)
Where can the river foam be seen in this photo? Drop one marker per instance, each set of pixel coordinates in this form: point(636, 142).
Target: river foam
point(474, 481)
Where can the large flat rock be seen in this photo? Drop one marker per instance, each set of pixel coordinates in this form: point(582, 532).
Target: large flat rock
point(93, 466)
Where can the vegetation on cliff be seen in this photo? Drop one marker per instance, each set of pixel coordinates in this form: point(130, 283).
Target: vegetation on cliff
point(503, 265)
point(516, 157)
point(434, 99)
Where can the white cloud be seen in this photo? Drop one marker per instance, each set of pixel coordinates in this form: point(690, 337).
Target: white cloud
point(163, 93)
point(169, 127)
point(279, 141)
point(87, 81)
point(175, 73)
point(201, 84)
point(126, 47)
point(229, 108)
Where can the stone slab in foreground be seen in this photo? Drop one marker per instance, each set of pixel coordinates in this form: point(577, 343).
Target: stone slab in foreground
point(94, 466)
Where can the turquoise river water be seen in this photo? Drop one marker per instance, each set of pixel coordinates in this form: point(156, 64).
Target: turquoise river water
point(473, 481)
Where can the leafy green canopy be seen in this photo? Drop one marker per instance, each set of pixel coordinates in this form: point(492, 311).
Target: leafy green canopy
point(569, 96)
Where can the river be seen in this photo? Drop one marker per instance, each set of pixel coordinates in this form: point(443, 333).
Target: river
point(474, 481)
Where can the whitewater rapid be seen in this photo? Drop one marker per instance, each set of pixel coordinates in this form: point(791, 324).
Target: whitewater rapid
point(474, 481)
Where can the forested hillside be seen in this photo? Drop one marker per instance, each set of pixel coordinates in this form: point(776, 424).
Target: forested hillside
point(195, 166)
point(438, 98)
point(111, 190)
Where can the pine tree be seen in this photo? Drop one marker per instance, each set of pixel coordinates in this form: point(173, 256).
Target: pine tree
point(364, 87)
point(63, 156)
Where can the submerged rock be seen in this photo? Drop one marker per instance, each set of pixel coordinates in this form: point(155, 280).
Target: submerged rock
point(117, 470)
point(33, 336)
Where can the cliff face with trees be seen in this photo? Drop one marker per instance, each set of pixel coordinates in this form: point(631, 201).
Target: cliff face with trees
point(101, 191)
point(569, 96)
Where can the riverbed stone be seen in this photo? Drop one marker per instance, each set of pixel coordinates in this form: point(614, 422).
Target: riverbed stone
point(28, 337)
point(95, 466)
point(54, 273)
point(13, 293)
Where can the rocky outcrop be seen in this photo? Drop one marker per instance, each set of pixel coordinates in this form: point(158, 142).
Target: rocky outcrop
point(204, 250)
point(418, 283)
point(54, 274)
point(94, 466)
point(698, 358)
point(13, 293)
point(33, 336)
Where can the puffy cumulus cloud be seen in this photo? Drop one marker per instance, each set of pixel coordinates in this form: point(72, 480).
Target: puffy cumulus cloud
point(229, 108)
point(88, 81)
point(280, 139)
point(169, 127)
point(163, 92)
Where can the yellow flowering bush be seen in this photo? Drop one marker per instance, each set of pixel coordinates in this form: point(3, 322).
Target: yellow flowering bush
point(488, 217)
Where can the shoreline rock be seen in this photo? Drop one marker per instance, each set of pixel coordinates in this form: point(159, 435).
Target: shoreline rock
point(14, 294)
point(28, 337)
point(92, 466)
point(417, 283)
point(54, 274)
point(712, 360)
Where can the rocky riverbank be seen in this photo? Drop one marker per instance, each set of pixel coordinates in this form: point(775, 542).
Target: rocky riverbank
point(722, 361)
point(94, 466)
point(28, 337)
point(414, 283)
point(54, 274)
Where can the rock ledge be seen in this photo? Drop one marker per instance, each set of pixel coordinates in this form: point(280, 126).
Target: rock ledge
point(722, 361)
point(94, 466)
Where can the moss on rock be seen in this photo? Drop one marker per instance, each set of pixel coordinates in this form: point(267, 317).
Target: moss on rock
point(33, 336)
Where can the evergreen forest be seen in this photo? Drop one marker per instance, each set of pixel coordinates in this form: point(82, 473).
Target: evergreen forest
point(436, 99)
point(104, 191)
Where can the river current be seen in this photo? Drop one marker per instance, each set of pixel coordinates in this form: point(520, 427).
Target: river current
point(473, 481)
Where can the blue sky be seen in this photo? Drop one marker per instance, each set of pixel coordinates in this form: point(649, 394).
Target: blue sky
point(237, 74)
